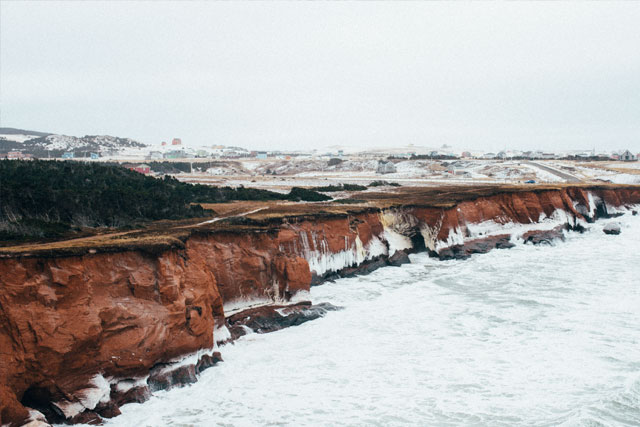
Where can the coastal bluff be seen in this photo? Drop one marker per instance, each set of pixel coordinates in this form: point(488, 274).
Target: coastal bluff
point(91, 324)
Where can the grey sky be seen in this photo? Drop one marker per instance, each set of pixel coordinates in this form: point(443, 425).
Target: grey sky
point(304, 75)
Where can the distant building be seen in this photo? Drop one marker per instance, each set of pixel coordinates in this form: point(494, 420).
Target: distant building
point(68, 155)
point(627, 156)
point(164, 143)
point(142, 168)
point(385, 167)
point(175, 154)
point(155, 155)
point(261, 155)
point(95, 156)
point(176, 141)
point(13, 155)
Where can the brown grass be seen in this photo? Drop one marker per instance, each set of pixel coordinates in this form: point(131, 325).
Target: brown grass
point(162, 235)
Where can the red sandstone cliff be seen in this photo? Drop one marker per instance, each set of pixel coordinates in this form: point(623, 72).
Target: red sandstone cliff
point(80, 335)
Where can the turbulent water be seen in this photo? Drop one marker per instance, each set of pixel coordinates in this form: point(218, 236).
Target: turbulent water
point(530, 336)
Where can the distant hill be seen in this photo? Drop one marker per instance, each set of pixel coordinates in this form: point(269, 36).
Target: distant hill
point(42, 144)
point(14, 131)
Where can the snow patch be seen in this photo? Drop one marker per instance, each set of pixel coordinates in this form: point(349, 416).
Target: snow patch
point(122, 386)
point(221, 334)
point(36, 419)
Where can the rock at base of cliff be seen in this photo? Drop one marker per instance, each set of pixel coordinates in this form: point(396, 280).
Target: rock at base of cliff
point(87, 417)
point(272, 318)
point(208, 361)
point(108, 410)
point(366, 267)
point(12, 412)
point(612, 228)
point(399, 258)
point(165, 377)
point(138, 394)
point(477, 246)
point(544, 237)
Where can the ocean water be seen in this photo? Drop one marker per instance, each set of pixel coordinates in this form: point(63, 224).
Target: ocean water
point(529, 336)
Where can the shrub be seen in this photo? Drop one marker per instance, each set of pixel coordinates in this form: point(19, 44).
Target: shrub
point(302, 194)
point(340, 187)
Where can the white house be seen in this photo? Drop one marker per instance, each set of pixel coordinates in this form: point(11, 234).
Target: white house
point(385, 167)
point(628, 156)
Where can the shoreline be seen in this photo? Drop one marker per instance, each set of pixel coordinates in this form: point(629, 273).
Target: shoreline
point(151, 321)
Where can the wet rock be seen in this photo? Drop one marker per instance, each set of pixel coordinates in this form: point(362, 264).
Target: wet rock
point(135, 394)
point(87, 417)
point(576, 227)
point(477, 246)
point(544, 237)
point(612, 228)
point(366, 267)
point(634, 213)
point(399, 258)
point(12, 412)
point(207, 361)
point(273, 318)
point(238, 331)
point(165, 377)
point(108, 410)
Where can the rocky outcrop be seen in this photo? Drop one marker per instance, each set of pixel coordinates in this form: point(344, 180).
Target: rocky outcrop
point(611, 228)
point(475, 246)
point(81, 335)
point(266, 319)
point(546, 237)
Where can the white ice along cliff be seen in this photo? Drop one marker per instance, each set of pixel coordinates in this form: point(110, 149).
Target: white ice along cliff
point(322, 260)
point(403, 229)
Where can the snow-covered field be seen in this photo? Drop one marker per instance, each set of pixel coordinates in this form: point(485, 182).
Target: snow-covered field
point(283, 174)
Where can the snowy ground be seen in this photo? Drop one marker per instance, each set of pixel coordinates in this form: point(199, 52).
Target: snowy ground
point(283, 174)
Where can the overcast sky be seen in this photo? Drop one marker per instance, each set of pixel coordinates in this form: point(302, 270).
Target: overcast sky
point(304, 75)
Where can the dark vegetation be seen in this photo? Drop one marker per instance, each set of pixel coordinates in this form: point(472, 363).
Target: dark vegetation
point(51, 199)
point(383, 183)
point(298, 194)
point(334, 161)
point(170, 167)
point(339, 187)
point(177, 167)
point(349, 201)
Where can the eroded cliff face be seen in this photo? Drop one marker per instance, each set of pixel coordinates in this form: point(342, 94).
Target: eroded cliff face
point(81, 335)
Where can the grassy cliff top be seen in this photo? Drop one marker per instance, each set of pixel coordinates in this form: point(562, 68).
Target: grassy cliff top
point(264, 216)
